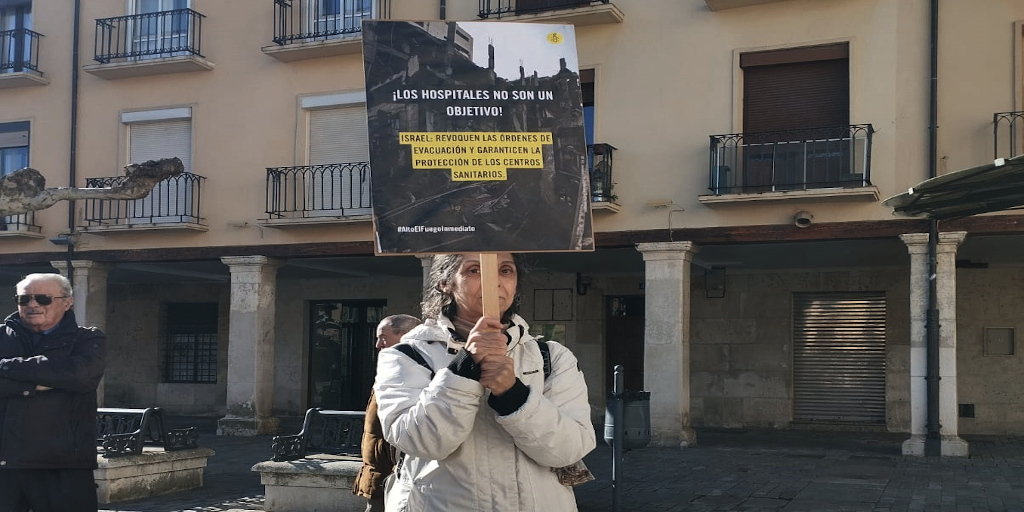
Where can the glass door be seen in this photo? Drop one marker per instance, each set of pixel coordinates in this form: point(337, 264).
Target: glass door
point(157, 31)
point(342, 357)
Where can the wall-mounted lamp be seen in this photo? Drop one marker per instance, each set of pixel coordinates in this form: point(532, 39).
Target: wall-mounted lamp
point(64, 240)
point(582, 283)
point(714, 282)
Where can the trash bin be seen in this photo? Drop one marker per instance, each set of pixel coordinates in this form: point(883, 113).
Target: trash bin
point(636, 421)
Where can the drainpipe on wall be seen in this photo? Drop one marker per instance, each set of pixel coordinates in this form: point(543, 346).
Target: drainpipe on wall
point(72, 179)
point(442, 14)
point(932, 444)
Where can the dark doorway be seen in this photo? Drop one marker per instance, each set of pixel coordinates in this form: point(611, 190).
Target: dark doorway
point(342, 357)
point(624, 339)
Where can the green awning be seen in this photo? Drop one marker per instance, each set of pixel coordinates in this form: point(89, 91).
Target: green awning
point(987, 188)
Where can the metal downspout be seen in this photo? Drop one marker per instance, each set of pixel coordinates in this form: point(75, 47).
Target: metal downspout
point(73, 143)
point(443, 14)
point(932, 444)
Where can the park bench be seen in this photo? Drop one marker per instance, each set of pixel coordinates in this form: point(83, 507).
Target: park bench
point(315, 469)
point(138, 457)
point(128, 431)
point(324, 432)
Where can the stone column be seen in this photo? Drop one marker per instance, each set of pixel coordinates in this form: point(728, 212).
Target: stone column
point(250, 386)
point(945, 284)
point(90, 285)
point(667, 340)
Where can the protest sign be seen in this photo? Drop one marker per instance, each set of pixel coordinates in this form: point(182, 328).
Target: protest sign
point(476, 137)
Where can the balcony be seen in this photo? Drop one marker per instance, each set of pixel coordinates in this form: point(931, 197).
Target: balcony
point(174, 203)
point(1008, 134)
point(19, 58)
point(309, 29)
point(599, 163)
point(576, 12)
point(154, 43)
point(21, 225)
point(811, 163)
point(313, 194)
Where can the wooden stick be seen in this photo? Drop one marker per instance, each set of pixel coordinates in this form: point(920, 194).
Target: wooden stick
point(489, 284)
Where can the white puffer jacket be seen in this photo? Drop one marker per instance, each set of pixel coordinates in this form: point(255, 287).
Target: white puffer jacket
point(462, 456)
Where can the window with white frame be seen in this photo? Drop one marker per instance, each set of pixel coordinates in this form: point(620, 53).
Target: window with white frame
point(157, 134)
point(338, 154)
point(154, 34)
point(13, 146)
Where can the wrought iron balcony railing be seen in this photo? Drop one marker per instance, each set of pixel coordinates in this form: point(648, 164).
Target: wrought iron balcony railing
point(19, 50)
point(1008, 134)
point(148, 36)
point(175, 200)
point(505, 8)
point(744, 163)
point(329, 190)
point(24, 222)
point(297, 21)
point(599, 162)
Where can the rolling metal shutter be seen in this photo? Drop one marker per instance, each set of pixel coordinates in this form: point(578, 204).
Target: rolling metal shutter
point(839, 357)
point(796, 88)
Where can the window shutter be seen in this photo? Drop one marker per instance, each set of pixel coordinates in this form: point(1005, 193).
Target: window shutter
point(796, 88)
point(170, 200)
point(338, 135)
point(161, 139)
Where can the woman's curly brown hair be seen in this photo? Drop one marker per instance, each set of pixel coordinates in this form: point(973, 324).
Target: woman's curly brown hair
point(437, 302)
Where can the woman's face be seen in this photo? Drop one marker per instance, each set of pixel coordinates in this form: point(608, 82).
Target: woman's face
point(466, 289)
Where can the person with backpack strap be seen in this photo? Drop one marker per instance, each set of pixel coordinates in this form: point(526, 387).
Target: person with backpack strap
point(483, 427)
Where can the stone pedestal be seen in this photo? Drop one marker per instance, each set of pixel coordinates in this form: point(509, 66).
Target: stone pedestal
point(311, 484)
point(151, 473)
point(667, 340)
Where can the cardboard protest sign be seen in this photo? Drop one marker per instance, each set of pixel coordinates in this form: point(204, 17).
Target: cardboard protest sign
point(476, 137)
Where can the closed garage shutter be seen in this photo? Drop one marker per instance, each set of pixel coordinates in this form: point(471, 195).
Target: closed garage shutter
point(839, 357)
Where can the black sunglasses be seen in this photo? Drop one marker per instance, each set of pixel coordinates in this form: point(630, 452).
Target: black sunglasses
point(41, 298)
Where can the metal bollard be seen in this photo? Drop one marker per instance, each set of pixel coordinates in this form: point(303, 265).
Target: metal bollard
point(618, 390)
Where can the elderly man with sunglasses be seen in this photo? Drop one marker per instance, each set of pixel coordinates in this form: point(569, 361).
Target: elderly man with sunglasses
point(50, 368)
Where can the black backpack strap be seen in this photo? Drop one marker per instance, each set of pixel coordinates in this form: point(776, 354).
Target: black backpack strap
point(415, 355)
point(545, 353)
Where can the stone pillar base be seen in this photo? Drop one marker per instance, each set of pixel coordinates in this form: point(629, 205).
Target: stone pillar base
point(685, 437)
point(954, 446)
point(236, 426)
point(914, 447)
point(949, 446)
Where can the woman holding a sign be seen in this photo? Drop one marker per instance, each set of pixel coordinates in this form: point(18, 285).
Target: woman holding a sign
point(483, 412)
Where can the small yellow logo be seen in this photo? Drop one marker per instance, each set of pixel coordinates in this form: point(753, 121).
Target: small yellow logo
point(555, 38)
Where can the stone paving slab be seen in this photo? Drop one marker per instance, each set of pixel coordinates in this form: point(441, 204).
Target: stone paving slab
point(729, 470)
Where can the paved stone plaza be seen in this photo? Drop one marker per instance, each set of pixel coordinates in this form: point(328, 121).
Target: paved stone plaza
point(729, 470)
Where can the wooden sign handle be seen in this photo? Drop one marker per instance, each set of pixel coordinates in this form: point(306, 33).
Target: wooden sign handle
point(489, 284)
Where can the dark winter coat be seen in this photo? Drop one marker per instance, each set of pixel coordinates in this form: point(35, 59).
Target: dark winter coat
point(56, 428)
point(378, 456)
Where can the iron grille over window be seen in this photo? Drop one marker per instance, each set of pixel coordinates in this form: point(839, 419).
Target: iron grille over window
point(191, 342)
